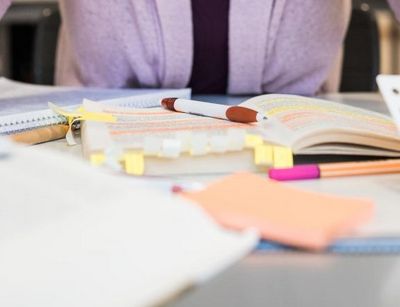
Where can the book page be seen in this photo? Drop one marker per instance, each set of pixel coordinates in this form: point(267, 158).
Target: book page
point(298, 118)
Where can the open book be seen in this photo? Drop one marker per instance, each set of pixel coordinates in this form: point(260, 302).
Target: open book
point(316, 126)
point(178, 143)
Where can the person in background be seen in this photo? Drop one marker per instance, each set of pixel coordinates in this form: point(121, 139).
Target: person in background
point(213, 46)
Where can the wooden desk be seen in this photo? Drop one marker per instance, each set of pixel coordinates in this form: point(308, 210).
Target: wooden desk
point(301, 279)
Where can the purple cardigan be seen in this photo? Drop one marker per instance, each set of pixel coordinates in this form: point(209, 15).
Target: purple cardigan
point(285, 46)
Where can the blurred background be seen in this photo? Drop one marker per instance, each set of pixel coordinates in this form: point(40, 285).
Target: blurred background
point(28, 36)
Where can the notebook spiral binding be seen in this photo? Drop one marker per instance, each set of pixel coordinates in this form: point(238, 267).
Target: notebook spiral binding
point(26, 121)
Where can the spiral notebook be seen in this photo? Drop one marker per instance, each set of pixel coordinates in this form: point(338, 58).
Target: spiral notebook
point(25, 106)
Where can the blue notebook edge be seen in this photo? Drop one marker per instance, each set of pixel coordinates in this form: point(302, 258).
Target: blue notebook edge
point(343, 246)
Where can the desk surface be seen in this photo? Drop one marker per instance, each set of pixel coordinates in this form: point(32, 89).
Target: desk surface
point(301, 279)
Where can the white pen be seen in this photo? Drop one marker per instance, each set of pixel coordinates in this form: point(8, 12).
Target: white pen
point(233, 113)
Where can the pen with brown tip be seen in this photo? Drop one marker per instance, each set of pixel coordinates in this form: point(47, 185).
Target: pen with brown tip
point(237, 114)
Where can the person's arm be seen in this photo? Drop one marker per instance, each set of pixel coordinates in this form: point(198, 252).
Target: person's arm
point(395, 4)
point(4, 4)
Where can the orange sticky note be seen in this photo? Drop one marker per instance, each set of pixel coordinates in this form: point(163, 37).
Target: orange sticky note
point(280, 212)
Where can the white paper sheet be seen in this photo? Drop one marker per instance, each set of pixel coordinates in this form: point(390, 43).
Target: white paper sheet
point(71, 235)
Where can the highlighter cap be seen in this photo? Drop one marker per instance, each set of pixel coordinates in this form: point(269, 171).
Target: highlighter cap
point(299, 172)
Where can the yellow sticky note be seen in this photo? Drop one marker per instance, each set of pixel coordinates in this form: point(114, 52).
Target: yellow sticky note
point(263, 155)
point(283, 156)
point(252, 140)
point(82, 114)
point(97, 159)
point(134, 163)
point(80, 109)
point(63, 112)
point(99, 117)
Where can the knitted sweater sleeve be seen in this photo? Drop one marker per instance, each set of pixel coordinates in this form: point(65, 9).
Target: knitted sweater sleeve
point(4, 4)
point(395, 4)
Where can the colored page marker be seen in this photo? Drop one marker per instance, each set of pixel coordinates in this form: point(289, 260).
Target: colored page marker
point(283, 157)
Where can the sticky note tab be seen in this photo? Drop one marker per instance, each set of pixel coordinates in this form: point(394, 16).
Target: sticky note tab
point(134, 163)
point(185, 137)
point(236, 139)
point(218, 143)
point(283, 156)
point(99, 117)
point(263, 155)
point(77, 116)
point(279, 212)
point(70, 136)
point(152, 146)
point(253, 140)
point(199, 144)
point(81, 108)
point(97, 159)
point(171, 148)
point(72, 117)
point(82, 114)
point(114, 157)
point(63, 112)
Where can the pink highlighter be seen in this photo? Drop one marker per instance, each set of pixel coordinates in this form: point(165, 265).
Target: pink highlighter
point(325, 170)
point(299, 172)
